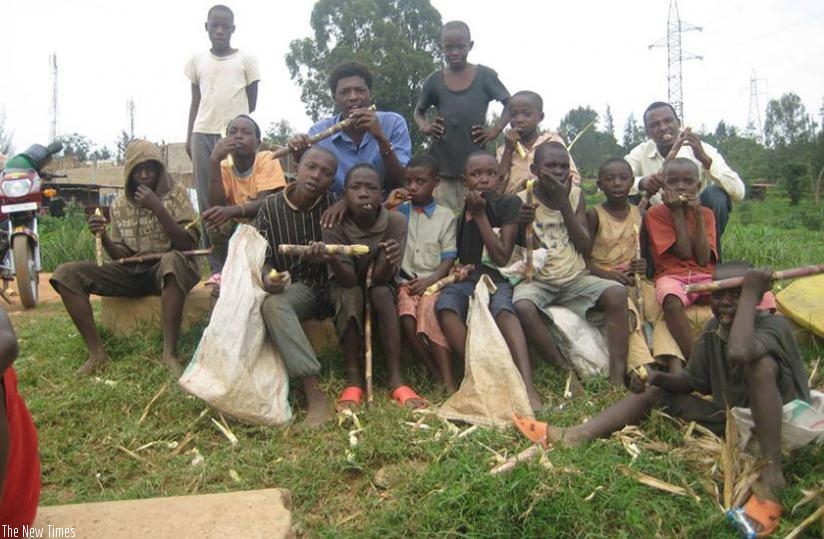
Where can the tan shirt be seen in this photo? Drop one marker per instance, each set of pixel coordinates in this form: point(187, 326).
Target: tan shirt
point(614, 244)
point(519, 172)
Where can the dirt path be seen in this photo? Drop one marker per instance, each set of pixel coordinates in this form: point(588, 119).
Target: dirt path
point(46, 294)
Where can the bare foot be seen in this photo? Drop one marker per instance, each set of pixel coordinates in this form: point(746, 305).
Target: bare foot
point(94, 364)
point(318, 413)
point(172, 363)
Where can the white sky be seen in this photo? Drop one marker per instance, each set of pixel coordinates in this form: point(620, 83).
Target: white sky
point(584, 52)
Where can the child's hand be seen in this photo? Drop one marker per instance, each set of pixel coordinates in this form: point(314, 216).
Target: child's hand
point(636, 385)
point(418, 285)
point(334, 215)
point(276, 285)
point(557, 192)
point(526, 214)
point(475, 203)
point(396, 198)
point(315, 254)
point(693, 202)
point(510, 138)
point(147, 198)
point(481, 135)
point(759, 280)
point(651, 183)
point(673, 200)
point(223, 148)
point(435, 128)
point(97, 224)
point(392, 251)
point(639, 265)
point(218, 215)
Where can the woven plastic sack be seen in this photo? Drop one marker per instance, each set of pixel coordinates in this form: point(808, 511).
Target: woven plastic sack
point(492, 388)
point(801, 423)
point(236, 367)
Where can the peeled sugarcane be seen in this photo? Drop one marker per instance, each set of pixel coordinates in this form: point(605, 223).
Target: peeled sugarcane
point(734, 282)
point(458, 273)
point(529, 233)
point(520, 149)
point(330, 249)
point(98, 241)
point(154, 257)
point(639, 292)
point(676, 147)
point(367, 335)
point(193, 224)
point(326, 133)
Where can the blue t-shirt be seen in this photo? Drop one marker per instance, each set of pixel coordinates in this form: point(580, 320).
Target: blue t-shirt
point(394, 127)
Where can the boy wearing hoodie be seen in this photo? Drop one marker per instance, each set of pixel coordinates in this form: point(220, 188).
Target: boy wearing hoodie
point(149, 217)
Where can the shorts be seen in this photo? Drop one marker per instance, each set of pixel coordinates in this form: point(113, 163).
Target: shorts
point(674, 285)
point(127, 280)
point(348, 304)
point(422, 309)
point(578, 295)
point(455, 297)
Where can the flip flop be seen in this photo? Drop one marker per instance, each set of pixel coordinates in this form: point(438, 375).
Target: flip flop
point(532, 429)
point(404, 394)
point(350, 397)
point(763, 512)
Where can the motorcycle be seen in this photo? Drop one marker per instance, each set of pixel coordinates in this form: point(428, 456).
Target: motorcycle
point(21, 196)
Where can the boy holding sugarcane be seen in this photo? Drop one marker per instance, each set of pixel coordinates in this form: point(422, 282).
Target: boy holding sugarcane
point(356, 279)
point(429, 255)
point(151, 216)
point(560, 226)
point(292, 216)
point(744, 358)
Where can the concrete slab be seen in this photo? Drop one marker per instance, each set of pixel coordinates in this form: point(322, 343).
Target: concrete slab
point(122, 316)
point(249, 514)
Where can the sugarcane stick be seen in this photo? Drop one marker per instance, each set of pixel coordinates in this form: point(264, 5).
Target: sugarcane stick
point(520, 149)
point(529, 233)
point(98, 241)
point(676, 147)
point(527, 454)
point(639, 293)
point(326, 133)
point(154, 257)
point(734, 282)
point(458, 273)
point(367, 335)
point(194, 223)
point(330, 249)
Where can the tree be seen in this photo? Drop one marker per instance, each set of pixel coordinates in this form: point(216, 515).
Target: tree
point(120, 145)
point(397, 39)
point(634, 134)
point(101, 154)
point(6, 147)
point(76, 145)
point(744, 153)
point(592, 147)
point(278, 134)
point(787, 122)
point(609, 122)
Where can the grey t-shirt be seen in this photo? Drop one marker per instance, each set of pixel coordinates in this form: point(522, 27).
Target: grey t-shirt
point(460, 111)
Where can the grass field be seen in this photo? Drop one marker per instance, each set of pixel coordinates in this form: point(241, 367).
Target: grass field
point(431, 483)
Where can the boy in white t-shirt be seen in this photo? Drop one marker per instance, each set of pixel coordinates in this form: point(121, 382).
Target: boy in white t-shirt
point(224, 84)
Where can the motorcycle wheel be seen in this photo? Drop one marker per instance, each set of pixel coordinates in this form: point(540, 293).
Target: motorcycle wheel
point(27, 277)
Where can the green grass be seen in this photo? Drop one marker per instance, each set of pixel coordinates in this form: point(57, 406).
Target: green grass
point(441, 485)
point(65, 239)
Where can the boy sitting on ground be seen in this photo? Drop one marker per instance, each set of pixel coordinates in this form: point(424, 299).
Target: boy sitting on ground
point(526, 111)
point(744, 358)
point(238, 187)
point(560, 226)
point(429, 255)
point(292, 216)
point(151, 216)
point(486, 208)
point(384, 232)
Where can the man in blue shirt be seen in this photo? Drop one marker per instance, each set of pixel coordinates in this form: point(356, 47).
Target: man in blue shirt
point(375, 137)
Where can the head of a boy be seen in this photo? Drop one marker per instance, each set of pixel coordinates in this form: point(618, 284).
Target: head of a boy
point(143, 166)
point(456, 42)
point(724, 303)
point(526, 111)
point(662, 124)
point(362, 190)
point(245, 132)
point(551, 162)
point(481, 173)
point(615, 179)
point(316, 172)
point(351, 87)
point(421, 176)
point(681, 177)
point(220, 25)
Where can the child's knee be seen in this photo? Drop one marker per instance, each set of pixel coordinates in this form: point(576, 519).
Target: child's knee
point(763, 370)
point(672, 304)
point(614, 299)
point(525, 309)
point(382, 298)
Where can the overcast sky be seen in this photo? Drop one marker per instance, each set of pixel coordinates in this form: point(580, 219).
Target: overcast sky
point(584, 52)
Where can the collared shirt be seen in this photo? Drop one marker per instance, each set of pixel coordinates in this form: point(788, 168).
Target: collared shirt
point(348, 154)
point(518, 173)
point(430, 237)
point(265, 175)
point(388, 225)
point(645, 159)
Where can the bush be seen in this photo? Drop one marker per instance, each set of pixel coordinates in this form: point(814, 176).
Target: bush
point(794, 176)
point(65, 239)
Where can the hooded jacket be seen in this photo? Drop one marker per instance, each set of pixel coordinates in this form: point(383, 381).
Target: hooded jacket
point(138, 228)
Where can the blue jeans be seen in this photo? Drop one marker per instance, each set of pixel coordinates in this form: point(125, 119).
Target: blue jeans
point(717, 200)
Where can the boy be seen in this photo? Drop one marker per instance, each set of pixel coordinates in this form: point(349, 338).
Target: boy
point(526, 111)
point(224, 83)
point(292, 216)
point(370, 224)
point(461, 93)
point(486, 208)
point(19, 461)
point(238, 188)
point(428, 257)
point(151, 216)
point(615, 226)
point(561, 227)
point(744, 358)
point(682, 240)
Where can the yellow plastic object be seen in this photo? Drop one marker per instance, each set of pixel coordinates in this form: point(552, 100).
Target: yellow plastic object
point(801, 302)
point(50, 193)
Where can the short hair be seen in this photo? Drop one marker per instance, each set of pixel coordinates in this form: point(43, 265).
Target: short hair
point(350, 68)
point(658, 105)
point(361, 166)
point(220, 7)
point(319, 149)
point(544, 147)
point(529, 95)
point(247, 117)
point(612, 161)
point(477, 153)
point(681, 161)
point(425, 160)
point(457, 25)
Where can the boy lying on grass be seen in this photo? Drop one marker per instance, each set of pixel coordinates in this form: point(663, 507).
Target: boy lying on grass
point(745, 358)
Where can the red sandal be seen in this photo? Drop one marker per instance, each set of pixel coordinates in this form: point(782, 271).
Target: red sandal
point(403, 394)
point(534, 430)
point(349, 398)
